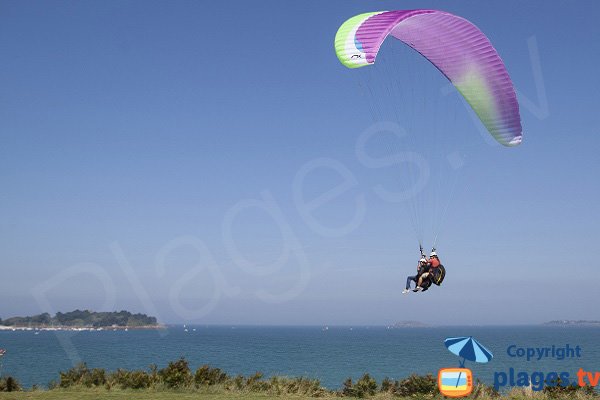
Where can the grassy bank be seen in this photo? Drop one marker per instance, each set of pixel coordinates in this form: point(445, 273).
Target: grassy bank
point(178, 381)
point(89, 394)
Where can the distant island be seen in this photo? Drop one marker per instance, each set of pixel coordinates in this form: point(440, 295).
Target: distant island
point(566, 322)
point(409, 324)
point(82, 320)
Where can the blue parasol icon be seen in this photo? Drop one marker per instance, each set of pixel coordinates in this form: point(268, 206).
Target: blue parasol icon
point(469, 349)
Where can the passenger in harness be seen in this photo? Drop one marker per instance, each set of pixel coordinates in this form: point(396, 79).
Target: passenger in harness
point(434, 273)
point(421, 268)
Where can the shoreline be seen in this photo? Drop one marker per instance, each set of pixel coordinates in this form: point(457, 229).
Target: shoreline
point(80, 328)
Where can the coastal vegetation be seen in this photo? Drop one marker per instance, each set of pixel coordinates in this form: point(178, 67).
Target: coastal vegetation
point(178, 380)
point(568, 322)
point(82, 319)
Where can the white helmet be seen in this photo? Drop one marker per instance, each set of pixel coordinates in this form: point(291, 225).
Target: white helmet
point(433, 254)
point(423, 260)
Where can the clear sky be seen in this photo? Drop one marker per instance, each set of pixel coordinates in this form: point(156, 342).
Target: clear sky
point(178, 159)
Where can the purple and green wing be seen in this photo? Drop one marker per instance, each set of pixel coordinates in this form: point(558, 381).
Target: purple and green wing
point(454, 46)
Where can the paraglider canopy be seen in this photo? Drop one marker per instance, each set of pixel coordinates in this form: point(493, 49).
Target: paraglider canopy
point(454, 46)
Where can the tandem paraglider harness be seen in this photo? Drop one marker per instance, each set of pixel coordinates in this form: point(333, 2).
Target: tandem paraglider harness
point(437, 277)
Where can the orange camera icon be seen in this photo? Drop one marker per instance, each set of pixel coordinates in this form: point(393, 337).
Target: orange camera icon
point(455, 382)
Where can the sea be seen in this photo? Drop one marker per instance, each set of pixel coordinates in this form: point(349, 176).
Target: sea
point(329, 354)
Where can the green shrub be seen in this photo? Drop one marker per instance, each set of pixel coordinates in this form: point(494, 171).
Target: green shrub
point(365, 386)
point(130, 379)
point(348, 388)
point(237, 383)
point(484, 391)
point(254, 383)
point(417, 384)
point(73, 376)
point(206, 376)
point(154, 376)
point(94, 377)
point(555, 388)
point(82, 375)
point(9, 384)
point(139, 380)
point(389, 386)
point(177, 374)
point(297, 386)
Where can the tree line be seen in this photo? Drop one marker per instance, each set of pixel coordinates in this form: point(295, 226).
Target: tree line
point(85, 318)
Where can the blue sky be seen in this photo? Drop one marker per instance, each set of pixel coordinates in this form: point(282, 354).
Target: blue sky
point(158, 157)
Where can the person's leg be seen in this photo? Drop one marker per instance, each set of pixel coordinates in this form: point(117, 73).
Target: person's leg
point(422, 277)
point(410, 278)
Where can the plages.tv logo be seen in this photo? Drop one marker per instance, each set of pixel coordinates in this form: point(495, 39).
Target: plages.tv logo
point(458, 382)
point(455, 382)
